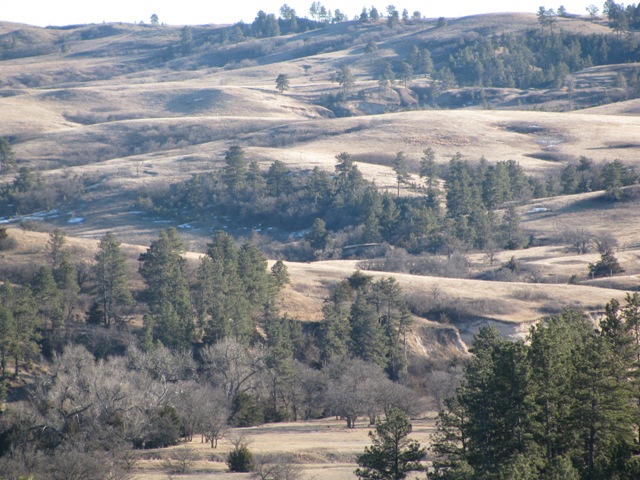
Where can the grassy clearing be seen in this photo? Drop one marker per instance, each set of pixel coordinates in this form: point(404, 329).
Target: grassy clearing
point(325, 449)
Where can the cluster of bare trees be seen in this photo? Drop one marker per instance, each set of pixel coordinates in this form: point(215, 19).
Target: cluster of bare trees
point(93, 413)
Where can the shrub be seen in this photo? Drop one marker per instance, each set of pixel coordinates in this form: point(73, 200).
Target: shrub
point(6, 242)
point(240, 459)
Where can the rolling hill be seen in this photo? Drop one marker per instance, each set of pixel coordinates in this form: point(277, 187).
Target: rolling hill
point(124, 108)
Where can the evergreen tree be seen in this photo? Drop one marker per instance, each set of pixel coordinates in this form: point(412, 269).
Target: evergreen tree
point(56, 248)
point(334, 329)
point(605, 267)
point(8, 327)
point(512, 236)
point(66, 278)
point(256, 184)
point(551, 355)
point(463, 192)
point(428, 167)
point(392, 456)
point(24, 346)
point(280, 275)
point(163, 268)
point(110, 273)
point(282, 82)
point(234, 173)
point(367, 336)
point(318, 236)
point(400, 168)
point(603, 415)
point(344, 77)
point(48, 299)
point(450, 442)
point(278, 179)
point(229, 311)
point(498, 400)
point(254, 277)
point(7, 158)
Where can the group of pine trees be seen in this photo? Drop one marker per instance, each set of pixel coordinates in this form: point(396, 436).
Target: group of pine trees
point(476, 209)
point(369, 320)
point(562, 405)
point(535, 58)
point(214, 351)
point(345, 200)
point(585, 176)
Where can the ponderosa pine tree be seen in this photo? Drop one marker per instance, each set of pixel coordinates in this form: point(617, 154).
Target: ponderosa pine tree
point(114, 294)
point(49, 300)
point(392, 455)
point(334, 329)
point(234, 173)
point(551, 355)
point(367, 336)
point(163, 268)
point(562, 406)
point(400, 167)
point(7, 158)
point(282, 82)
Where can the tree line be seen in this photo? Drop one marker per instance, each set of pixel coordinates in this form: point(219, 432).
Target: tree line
point(213, 351)
point(562, 404)
point(535, 58)
point(459, 206)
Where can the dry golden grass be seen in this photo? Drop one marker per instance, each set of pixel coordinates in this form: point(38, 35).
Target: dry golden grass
point(324, 449)
point(131, 128)
point(140, 128)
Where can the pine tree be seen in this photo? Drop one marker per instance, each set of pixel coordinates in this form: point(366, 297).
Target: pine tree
point(605, 267)
point(228, 310)
point(110, 273)
point(280, 275)
point(234, 173)
point(400, 167)
point(551, 355)
point(48, 298)
point(318, 236)
point(463, 192)
point(7, 158)
point(163, 268)
point(392, 456)
point(428, 167)
point(278, 179)
point(282, 82)
point(498, 400)
point(512, 236)
point(66, 278)
point(8, 327)
point(367, 336)
point(450, 442)
point(56, 247)
point(254, 277)
point(603, 414)
point(334, 329)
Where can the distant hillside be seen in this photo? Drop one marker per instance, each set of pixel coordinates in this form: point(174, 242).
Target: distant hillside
point(110, 123)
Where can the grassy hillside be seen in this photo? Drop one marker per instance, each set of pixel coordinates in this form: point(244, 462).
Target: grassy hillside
point(102, 119)
point(120, 107)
